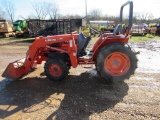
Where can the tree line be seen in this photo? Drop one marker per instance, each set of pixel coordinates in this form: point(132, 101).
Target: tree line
point(47, 10)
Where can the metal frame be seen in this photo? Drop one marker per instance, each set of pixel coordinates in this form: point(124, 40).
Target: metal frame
point(37, 27)
point(130, 3)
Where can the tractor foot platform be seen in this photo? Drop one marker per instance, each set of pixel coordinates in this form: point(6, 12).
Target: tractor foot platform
point(86, 59)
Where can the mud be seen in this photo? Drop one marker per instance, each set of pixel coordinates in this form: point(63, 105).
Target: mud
point(83, 95)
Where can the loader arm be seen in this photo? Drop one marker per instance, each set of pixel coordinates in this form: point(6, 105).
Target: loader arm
point(37, 51)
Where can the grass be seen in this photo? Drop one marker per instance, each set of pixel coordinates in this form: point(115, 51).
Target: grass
point(143, 38)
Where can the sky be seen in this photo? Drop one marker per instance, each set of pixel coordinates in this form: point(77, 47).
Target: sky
point(107, 7)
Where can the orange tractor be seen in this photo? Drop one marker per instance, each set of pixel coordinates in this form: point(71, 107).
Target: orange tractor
point(113, 58)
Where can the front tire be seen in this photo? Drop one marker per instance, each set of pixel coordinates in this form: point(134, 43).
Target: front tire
point(56, 69)
point(116, 62)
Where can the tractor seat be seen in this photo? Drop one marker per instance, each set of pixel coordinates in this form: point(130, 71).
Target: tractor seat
point(119, 30)
point(82, 42)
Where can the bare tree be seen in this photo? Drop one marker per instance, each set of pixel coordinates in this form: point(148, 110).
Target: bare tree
point(144, 17)
point(2, 14)
point(31, 16)
point(53, 10)
point(44, 9)
point(40, 9)
point(9, 9)
point(95, 14)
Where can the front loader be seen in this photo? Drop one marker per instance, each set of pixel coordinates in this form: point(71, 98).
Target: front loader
point(113, 58)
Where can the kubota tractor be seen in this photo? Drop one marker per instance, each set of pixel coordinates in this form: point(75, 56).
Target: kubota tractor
point(113, 58)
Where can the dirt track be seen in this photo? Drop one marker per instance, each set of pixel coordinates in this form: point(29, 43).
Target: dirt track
point(83, 95)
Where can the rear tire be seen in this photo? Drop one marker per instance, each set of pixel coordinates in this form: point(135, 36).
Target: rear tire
point(56, 69)
point(116, 62)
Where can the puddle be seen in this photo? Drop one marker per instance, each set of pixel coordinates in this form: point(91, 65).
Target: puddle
point(149, 57)
point(151, 86)
point(144, 78)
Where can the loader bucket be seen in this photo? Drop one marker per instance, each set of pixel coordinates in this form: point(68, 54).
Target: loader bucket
point(15, 70)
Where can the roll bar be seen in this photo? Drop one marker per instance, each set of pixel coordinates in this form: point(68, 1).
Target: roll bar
point(130, 13)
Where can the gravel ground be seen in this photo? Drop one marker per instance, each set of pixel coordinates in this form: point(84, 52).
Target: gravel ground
point(83, 95)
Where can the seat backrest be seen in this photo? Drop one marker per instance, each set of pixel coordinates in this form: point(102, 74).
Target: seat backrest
point(82, 42)
point(118, 29)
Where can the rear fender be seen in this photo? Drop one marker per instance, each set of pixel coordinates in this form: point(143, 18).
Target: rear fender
point(105, 41)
